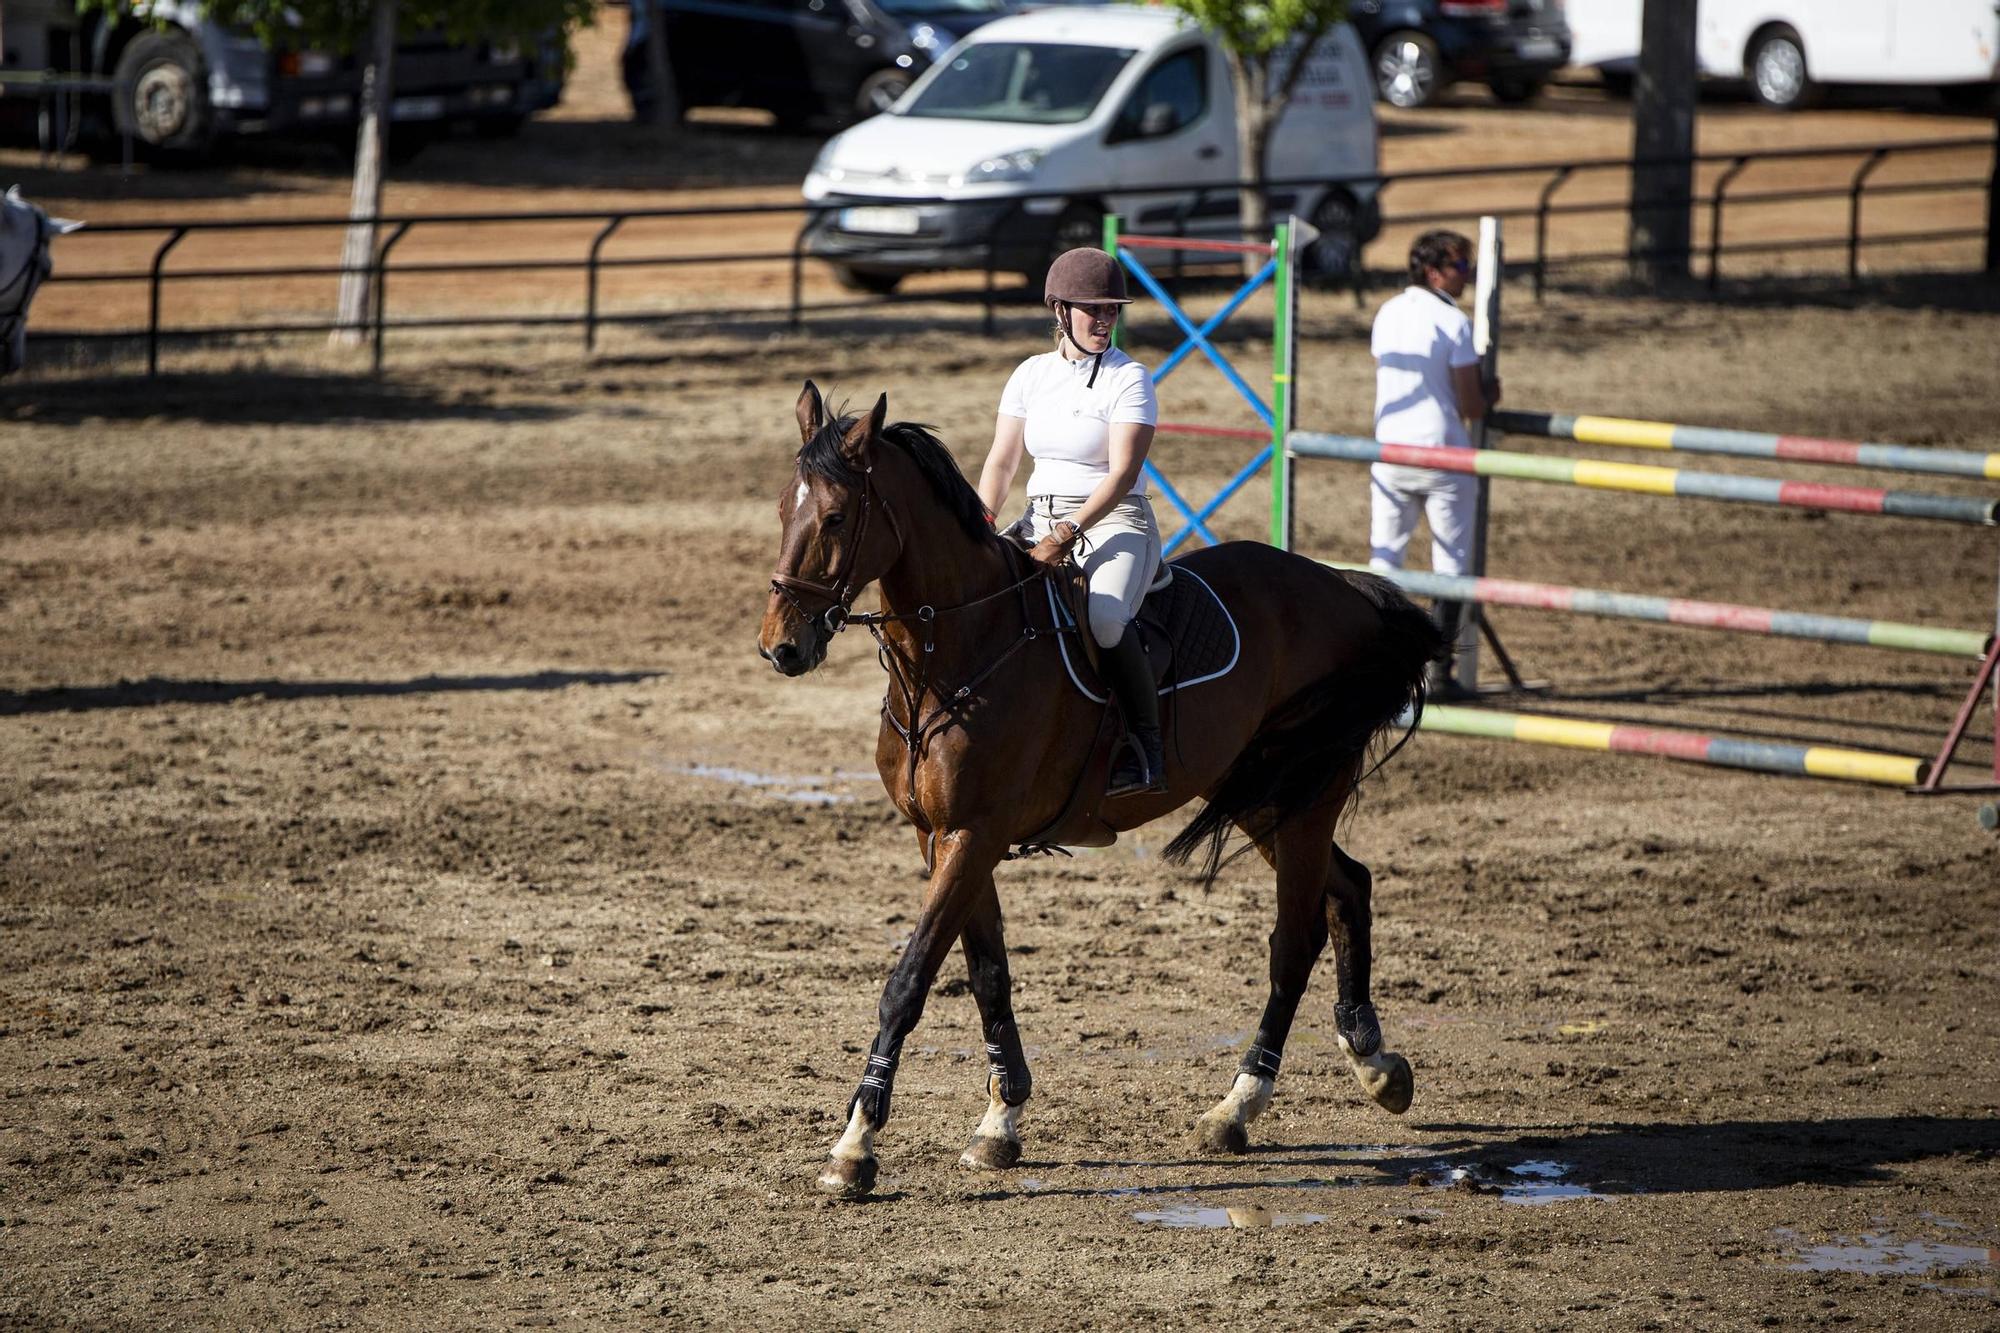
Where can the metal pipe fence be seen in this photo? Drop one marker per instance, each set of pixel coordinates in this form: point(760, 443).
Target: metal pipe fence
point(1548, 178)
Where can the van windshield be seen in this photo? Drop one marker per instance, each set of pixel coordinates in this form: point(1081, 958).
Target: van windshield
point(1035, 83)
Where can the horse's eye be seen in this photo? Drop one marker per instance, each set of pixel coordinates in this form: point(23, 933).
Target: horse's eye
point(835, 519)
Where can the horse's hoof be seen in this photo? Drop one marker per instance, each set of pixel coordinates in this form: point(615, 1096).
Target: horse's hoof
point(849, 1178)
point(1219, 1134)
point(1389, 1080)
point(988, 1153)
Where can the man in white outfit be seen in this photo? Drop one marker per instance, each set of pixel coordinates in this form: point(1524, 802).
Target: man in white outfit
point(1427, 386)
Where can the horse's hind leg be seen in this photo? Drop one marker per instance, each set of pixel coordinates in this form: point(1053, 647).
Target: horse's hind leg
point(996, 1144)
point(1383, 1075)
point(1299, 852)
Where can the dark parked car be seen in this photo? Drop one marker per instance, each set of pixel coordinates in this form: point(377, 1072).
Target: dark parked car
point(799, 59)
point(1418, 48)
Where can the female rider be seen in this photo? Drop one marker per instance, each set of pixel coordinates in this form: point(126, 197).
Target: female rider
point(1085, 413)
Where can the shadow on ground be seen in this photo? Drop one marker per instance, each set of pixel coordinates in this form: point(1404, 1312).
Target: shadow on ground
point(562, 154)
point(255, 395)
point(1726, 1157)
point(155, 690)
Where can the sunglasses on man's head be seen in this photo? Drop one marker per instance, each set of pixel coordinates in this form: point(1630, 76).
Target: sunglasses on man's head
point(1460, 266)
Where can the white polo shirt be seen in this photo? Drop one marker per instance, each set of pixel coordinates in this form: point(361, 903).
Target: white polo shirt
point(1420, 337)
point(1068, 431)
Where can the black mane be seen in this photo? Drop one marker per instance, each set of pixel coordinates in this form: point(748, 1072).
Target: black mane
point(821, 457)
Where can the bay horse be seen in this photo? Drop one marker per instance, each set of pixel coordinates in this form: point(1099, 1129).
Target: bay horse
point(985, 745)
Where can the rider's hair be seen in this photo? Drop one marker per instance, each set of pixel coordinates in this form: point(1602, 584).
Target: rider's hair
point(1435, 249)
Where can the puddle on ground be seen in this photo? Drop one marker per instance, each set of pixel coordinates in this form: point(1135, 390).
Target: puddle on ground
point(1879, 1253)
point(1241, 1217)
point(1531, 1184)
point(802, 790)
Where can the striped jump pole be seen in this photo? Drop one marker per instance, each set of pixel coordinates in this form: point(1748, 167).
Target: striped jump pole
point(1678, 611)
point(1621, 433)
point(1651, 480)
point(1819, 761)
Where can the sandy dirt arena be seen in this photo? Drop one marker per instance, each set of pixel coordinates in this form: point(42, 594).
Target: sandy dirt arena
point(420, 907)
point(423, 909)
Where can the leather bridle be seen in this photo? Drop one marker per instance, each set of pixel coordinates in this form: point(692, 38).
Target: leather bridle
point(839, 593)
point(911, 674)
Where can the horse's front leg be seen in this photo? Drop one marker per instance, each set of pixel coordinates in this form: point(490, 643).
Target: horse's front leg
point(996, 1144)
point(962, 873)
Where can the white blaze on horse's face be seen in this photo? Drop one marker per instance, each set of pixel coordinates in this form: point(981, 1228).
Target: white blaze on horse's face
point(794, 636)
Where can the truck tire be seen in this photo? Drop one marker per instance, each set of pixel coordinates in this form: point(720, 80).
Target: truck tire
point(1516, 89)
point(879, 91)
point(1778, 72)
point(1409, 73)
point(1335, 255)
point(873, 281)
point(161, 94)
point(1080, 225)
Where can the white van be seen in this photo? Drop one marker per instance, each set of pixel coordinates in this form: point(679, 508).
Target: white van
point(1090, 106)
point(1785, 48)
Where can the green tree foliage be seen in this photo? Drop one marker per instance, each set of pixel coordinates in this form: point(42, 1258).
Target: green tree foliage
point(1267, 45)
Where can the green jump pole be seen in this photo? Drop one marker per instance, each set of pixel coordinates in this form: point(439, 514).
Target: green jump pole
point(1111, 221)
point(1284, 349)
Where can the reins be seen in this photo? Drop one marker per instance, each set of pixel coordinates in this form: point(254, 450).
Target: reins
point(912, 678)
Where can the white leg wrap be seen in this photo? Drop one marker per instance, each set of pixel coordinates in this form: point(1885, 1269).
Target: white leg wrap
point(858, 1143)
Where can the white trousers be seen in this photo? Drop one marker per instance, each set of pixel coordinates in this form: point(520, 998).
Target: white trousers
point(1397, 495)
point(1120, 555)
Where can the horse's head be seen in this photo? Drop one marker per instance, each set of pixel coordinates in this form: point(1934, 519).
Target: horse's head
point(837, 537)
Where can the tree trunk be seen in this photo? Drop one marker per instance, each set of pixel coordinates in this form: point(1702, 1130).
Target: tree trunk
point(1663, 103)
point(665, 111)
point(357, 254)
point(1253, 136)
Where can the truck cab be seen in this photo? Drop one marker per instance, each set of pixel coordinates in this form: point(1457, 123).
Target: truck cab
point(172, 81)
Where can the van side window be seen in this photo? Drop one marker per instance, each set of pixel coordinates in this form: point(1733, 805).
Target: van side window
point(1172, 96)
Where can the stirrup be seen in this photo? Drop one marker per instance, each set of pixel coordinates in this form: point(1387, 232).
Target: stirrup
point(1145, 782)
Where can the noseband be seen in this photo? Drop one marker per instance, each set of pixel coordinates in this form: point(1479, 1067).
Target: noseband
point(840, 592)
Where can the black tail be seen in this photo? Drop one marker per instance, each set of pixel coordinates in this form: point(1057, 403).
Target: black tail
point(1321, 734)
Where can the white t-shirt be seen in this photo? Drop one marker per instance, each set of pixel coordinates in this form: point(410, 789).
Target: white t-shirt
point(1420, 337)
point(1068, 431)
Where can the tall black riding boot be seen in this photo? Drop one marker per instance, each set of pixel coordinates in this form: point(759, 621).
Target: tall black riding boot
point(1142, 761)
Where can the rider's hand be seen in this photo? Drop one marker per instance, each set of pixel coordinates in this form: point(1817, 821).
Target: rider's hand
point(1053, 549)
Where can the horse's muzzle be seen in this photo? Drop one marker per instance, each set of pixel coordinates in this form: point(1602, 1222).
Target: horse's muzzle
point(793, 659)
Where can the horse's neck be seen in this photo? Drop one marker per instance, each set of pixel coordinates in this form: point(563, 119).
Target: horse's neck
point(942, 567)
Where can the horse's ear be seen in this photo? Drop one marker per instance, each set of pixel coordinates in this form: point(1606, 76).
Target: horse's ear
point(812, 413)
point(854, 447)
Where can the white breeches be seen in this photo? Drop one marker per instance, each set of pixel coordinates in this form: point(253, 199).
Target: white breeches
point(1120, 556)
point(1396, 495)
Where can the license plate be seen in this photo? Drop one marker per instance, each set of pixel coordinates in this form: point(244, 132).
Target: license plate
point(1538, 48)
point(416, 108)
point(882, 221)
